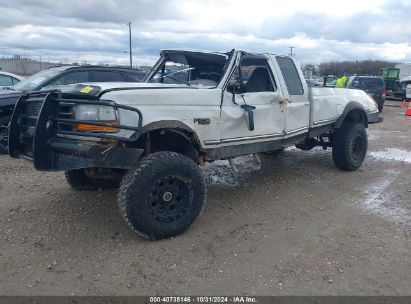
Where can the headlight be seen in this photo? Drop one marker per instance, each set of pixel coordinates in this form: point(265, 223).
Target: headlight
point(96, 113)
point(374, 103)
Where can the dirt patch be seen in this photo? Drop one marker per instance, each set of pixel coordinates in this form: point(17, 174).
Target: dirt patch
point(295, 226)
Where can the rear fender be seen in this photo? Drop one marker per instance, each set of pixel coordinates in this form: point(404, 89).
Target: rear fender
point(354, 111)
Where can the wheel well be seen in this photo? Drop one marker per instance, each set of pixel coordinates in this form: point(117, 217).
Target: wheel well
point(173, 140)
point(357, 115)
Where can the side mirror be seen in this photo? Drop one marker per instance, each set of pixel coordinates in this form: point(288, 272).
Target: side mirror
point(237, 87)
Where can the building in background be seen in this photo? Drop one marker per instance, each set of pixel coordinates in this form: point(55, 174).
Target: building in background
point(405, 70)
point(23, 66)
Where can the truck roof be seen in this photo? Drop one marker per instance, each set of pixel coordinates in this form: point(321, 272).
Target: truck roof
point(226, 54)
point(167, 51)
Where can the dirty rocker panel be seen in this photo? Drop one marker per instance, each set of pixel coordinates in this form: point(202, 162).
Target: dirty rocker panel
point(41, 121)
point(276, 142)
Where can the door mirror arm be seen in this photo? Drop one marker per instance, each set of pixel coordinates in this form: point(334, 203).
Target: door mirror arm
point(249, 109)
point(237, 87)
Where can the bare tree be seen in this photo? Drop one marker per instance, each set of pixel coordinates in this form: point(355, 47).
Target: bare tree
point(363, 67)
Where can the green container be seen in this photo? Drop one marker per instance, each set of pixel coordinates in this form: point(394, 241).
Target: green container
point(390, 76)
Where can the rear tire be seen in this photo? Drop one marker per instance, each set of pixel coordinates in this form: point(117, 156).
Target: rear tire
point(350, 146)
point(4, 134)
point(163, 196)
point(79, 181)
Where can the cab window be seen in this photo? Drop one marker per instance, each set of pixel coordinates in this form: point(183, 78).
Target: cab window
point(71, 78)
point(255, 76)
point(6, 80)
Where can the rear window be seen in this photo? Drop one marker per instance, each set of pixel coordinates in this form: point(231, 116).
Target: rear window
point(404, 84)
point(133, 77)
point(366, 83)
point(107, 76)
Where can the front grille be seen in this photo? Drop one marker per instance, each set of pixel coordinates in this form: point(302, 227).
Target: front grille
point(29, 118)
point(43, 116)
point(28, 121)
point(32, 108)
point(66, 110)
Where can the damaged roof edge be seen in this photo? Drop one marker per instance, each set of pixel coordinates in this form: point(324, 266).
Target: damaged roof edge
point(226, 55)
point(165, 51)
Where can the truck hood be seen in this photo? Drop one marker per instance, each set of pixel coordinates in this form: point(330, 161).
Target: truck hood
point(7, 92)
point(114, 85)
point(117, 86)
point(9, 97)
point(139, 85)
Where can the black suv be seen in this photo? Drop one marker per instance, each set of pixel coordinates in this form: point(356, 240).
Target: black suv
point(55, 76)
point(399, 92)
point(374, 86)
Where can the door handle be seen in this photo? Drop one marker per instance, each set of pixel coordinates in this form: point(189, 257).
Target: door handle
point(283, 101)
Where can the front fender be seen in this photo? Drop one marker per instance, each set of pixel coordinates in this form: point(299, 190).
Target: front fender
point(167, 124)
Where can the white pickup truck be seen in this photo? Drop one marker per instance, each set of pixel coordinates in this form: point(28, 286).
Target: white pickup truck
point(151, 138)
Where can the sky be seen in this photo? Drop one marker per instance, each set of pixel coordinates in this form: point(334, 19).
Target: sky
point(96, 31)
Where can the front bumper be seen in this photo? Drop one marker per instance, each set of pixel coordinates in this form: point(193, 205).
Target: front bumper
point(374, 118)
point(40, 133)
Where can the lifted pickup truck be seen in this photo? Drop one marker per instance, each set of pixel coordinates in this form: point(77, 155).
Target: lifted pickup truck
point(150, 138)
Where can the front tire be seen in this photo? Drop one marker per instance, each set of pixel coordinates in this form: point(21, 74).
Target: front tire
point(163, 196)
point(350, 146)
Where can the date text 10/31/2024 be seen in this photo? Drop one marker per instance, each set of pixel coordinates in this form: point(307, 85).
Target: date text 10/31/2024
point(201, 299)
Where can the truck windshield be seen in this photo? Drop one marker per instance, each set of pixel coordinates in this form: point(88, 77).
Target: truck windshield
point(190, 68)
point(38, 80)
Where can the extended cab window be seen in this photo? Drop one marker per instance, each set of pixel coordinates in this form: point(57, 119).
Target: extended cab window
point(291, 77)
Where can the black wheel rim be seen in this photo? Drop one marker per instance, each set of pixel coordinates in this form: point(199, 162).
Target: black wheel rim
point(4, 134)
point(358, 148)
point(170, 198)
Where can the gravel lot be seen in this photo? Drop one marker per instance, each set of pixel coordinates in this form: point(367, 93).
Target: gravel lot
point(297, 226)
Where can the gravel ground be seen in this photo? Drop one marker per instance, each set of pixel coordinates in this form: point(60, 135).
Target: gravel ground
point(295, 226)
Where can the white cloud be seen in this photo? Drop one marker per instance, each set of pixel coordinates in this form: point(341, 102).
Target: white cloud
point(320, 29)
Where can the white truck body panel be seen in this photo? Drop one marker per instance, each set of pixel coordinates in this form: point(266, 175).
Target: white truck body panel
point(172, 104)
point(329, 103)
point(295, 107)
point(278, 115)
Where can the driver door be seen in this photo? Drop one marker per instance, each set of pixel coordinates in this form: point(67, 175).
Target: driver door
point(259, 90)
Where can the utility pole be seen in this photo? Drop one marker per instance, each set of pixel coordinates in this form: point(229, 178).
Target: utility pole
point(129, 40)
point(291, 51)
